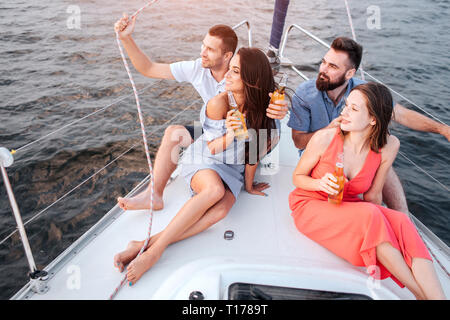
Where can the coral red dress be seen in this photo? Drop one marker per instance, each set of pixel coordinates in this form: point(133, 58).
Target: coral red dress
point(353, 229)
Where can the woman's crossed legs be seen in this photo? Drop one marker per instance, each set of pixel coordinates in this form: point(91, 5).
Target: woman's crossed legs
point(210, 204)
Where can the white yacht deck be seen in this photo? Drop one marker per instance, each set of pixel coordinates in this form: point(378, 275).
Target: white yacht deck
point(267, 249)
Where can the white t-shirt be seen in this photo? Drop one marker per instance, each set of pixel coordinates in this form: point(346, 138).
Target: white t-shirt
point(201, 78)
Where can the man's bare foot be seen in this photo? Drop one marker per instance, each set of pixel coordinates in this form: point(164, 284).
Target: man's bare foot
point(141, 202)
point(141, 264)
point(125, 257)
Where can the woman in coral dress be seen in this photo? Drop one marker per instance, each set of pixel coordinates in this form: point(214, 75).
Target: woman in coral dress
point(362, 232)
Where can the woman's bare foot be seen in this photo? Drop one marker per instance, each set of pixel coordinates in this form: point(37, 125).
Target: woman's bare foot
point(141, 202)
point(125, 257)
point(141, 264)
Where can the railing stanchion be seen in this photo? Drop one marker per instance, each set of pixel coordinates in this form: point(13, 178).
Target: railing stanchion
point(249, 30)
point(326, 45)
point(38, 278)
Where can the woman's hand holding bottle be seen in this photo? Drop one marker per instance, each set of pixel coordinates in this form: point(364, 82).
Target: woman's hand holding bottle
point(232, 123)
point(328, 184)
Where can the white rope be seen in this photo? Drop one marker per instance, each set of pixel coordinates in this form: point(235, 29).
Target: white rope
point(147, 154)
point(350, 20)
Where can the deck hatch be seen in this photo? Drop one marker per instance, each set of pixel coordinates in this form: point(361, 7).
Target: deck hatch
point(248, 291)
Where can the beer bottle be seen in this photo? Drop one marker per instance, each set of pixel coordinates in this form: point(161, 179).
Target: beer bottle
point(340, 180)
point(240, 133)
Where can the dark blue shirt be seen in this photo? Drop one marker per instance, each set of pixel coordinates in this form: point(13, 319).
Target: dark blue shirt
point(313, 109)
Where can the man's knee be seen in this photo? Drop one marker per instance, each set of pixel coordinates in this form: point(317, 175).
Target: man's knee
point(177, 134)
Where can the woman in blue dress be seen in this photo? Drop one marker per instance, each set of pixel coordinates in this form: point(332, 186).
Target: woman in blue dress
point(217, 165)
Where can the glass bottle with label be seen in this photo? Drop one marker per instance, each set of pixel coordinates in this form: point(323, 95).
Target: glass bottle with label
point(240, 133)
point(340, 180)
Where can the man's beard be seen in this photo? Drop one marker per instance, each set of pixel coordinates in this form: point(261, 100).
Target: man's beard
point(326, 85)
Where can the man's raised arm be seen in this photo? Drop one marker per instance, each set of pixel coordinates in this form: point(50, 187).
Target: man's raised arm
point(141, 62)
point(417, 121)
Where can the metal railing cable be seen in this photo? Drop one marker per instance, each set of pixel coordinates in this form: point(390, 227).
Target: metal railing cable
point(78, 120)
point(324, 44)
point(40, 213)
point(424, 171)
point(405, 98)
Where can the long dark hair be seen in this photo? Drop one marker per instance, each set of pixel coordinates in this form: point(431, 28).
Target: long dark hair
point(257, 76)
point(380, 106)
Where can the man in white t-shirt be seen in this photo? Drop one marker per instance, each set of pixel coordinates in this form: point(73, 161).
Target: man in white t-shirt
point(206, 74)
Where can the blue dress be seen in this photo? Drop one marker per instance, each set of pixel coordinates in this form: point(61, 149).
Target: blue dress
point(229, 164)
